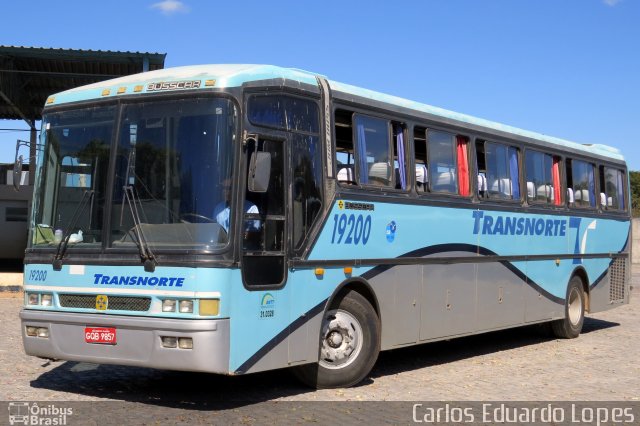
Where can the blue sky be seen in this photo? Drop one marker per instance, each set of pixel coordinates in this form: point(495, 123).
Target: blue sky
point(566, 68)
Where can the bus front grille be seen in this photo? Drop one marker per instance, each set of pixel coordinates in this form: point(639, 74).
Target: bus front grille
point(115, 303)
point(617, 275)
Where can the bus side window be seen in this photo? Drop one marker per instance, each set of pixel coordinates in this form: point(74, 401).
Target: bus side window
point(612, 182)
point(481, 167)
point(448, 162)
point(443, 173)
point(543, 178)
point(399, 156)
point(373, 157)
point(420, 158)
point(370, 151)
point(307, 185)
point(580, 183)
point(499, 178)
point(345, 161)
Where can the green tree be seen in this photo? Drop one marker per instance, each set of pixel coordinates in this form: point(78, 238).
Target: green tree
point(634, 177)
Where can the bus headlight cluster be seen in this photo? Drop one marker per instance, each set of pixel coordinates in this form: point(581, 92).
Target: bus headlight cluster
point(37, 331)
point(184, 306)
point(173, 342)
point(39, 299)
point(208, 307)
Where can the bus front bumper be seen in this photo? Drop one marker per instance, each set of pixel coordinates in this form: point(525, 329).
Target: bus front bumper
point(138, 340)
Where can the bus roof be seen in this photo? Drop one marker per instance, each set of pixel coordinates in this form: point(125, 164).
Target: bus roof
point(235, 75)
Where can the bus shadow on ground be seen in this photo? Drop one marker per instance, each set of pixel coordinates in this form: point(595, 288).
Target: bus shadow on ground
point(201, 391)
point(173, 389)
point(448, 351)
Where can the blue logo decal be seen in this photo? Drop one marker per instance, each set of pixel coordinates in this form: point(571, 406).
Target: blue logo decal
point(391, 231)
point(267, 300)
point(267, 306)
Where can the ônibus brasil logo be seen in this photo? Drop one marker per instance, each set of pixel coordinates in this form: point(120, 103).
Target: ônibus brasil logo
point(30, 413)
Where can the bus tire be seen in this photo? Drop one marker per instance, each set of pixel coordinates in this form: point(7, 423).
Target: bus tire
point(349, 344)
point(570, 326)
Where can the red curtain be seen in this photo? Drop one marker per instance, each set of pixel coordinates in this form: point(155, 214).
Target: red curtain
point(555, 172)
point(463, 165)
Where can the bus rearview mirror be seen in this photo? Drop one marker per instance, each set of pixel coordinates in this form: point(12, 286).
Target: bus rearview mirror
point(259, 172)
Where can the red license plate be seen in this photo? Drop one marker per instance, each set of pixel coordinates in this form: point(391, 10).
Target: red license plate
point(103, 335)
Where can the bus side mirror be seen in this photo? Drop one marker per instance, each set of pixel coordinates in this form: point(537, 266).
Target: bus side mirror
point(259, 172)
point(17, 173)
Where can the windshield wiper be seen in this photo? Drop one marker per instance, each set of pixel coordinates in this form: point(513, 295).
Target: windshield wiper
point(146, 255)
point(64, 242)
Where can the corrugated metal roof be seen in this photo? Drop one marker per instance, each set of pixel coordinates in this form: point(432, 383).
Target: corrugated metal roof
point(28, 75)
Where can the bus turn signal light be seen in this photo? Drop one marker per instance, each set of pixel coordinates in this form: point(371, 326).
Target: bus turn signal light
point(209, 307)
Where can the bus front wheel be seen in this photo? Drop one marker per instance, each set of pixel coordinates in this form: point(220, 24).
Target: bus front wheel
point(570, 326)
point(349, 344)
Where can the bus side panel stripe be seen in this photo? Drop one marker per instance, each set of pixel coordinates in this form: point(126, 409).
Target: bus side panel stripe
point(444, 248)
point(280, 337)
point(377, 270)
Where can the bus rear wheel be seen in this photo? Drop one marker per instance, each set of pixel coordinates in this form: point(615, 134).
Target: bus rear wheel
point(349, 344)
point(570, 326)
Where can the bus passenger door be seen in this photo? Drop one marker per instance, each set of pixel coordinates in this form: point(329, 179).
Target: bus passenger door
point(263, 226)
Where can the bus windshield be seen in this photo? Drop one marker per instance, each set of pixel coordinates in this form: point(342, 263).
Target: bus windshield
point(171, 162)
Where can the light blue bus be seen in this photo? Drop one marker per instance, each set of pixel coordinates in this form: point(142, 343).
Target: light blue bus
point(240, 218)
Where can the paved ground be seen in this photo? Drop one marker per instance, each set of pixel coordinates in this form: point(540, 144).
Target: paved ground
point(603, 364)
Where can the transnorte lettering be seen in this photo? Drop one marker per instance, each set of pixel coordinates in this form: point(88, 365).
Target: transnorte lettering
point(135, 280)
point(487, 224)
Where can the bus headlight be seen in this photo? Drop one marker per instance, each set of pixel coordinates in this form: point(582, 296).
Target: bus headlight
point(33, 299)
point(186, 306)
point(185, 343)
point(46, 300)
point(169, 341)
point(168, 305)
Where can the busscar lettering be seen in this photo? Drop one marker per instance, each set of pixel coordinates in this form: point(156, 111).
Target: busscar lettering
point(173, 85)
point(359, 206)
point(488, 224)
point(133, 280)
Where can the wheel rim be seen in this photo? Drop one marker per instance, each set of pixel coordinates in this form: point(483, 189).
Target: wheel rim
point(575, 307)
point(341, 339)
